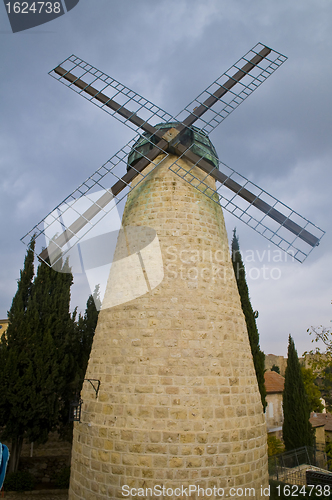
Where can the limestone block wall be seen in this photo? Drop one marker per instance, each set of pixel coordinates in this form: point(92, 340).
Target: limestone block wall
point(280, 361)
point(178, 403)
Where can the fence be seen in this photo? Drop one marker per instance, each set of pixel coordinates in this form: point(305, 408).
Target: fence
point(291, 467)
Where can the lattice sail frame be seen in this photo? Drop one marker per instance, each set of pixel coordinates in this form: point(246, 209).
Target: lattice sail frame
point(248, 213)
point(232, 99)
point(92, 84)
point(71, 207)
point(152, 114)
point(105, 84)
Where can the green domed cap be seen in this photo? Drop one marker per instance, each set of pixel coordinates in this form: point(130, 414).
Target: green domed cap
point(201, 144)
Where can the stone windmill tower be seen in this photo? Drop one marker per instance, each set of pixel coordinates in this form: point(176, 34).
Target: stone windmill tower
point(178, 406)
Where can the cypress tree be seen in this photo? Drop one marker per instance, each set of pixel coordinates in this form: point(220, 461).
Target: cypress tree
point(80, 344)
point(89, 326)
point(37, 364)
point(86, 326)
point(297, 430)
point(50, 305)
point(15, 360)
point(250, 317)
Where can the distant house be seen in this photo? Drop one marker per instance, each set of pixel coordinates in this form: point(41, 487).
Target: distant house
point(322, 423)
point(274, 384)
point(280, 361)
point(3, 326)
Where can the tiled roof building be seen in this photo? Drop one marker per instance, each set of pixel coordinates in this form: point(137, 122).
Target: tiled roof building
point(274, 384)
point(322, 423)
point(3, 326)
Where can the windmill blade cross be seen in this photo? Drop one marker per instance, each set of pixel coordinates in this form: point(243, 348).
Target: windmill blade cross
point(228, 91)
point(94, 86)
point(82, 220)
point(248, 196)
point(306, 234)
point(165, 137)
point(107, 101)
point(241, 70)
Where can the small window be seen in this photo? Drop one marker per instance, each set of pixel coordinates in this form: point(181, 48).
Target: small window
point(270, 410)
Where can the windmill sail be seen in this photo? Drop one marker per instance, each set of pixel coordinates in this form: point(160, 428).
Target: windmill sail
point(168, 135)
point(109, 94)
point(228, 91)
point(97, 197)
point(254, 206)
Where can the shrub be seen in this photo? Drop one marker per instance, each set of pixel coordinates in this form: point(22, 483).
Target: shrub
point(19, 481)
point(61, 480)
point(275, 446)
point(328, 451)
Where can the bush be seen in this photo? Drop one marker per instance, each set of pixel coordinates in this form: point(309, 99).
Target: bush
point(61, 480)
point(328, 451)
point(19, 481)
point(275, 446)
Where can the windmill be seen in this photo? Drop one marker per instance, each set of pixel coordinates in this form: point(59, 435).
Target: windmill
point(179, 401)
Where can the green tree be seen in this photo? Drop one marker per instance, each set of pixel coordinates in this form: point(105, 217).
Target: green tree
point(87, 326)
point(313, 392)
point(275, 368)
point(328, 451)
point(50, 304)
point(81, 343)
point(14, 358)
point(274, 446)
point(297, 430)
point(321, 362)
point(84, 333)
point(37, 364)
point(324, 382)
point(250, 317)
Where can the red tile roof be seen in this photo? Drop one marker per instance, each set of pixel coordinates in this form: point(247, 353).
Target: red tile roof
point(273, 382)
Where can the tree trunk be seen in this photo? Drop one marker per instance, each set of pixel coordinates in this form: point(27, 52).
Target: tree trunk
point(15, 454)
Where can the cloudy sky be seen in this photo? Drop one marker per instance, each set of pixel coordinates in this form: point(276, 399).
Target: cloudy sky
point(169, 51)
